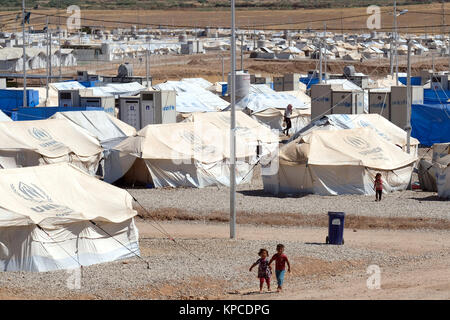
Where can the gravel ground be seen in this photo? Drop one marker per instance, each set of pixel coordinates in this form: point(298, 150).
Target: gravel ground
point(251, 198)
point(174, 273)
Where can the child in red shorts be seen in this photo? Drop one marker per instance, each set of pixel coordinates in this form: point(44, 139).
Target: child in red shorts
point(280, 269)
point(264, 269)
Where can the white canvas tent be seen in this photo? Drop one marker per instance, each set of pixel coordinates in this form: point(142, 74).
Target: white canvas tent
point(441, 168)
point(11, 59)
point(109, 131)
point(382, 127)
point(39, 142)
point(247, 129)
point(192, 154)
point(268, 109)
point(54, 217)
point(4, 117)
point(339, 162)
point(193, 97)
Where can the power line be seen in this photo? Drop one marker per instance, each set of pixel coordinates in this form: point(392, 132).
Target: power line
point(265, 28)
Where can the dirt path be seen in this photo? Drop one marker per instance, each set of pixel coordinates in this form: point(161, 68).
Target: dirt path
point(427, 278)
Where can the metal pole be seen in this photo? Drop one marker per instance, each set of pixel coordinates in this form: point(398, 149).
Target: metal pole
point(50, 54)
point(408, 102)
point(391, 56)
point(396, 42)
point(432, 61)
point(25, 104)
point(47, 68)
point(242, 52)
point(223, 67)
point(325, 59)
point(146, 69)
point(320, 62)
point(233, 126)
point(60, 54)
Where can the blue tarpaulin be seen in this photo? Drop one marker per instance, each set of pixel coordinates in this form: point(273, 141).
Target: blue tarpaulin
point(309, 81)
point(431, 96)
point(26, 114)
point(11, 99)
point(431, 123)
point(89, 84)
point(415, 81)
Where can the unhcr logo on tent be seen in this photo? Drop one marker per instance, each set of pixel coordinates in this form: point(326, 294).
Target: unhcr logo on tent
point(33, 193)
point(357, 142)
point(43, 136)
point(40, 134)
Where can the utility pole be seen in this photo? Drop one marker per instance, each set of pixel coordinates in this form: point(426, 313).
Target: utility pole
point(242, 52)
point(50, 53)
point(391, 57)
point(443, 19)
point(223, 67)
point(59, 41)
point(233, 126)
point(432, 62)
point(325, 59)
point(320, 61)
point(47, 64)
point(146, 69)
point(24, 103)
point(408, 102)
point(396, 42)
point(60, 54)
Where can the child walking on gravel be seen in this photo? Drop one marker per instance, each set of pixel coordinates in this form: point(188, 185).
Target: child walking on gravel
point(264, 269)
point(280, 265)
point(378, 186)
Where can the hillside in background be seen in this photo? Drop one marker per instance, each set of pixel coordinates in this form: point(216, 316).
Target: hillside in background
point(205, 4)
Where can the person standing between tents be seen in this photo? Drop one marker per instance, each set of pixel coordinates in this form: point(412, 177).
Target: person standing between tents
point(378, 186)
point(280, 265)
point(287, 119)
point(264, 269)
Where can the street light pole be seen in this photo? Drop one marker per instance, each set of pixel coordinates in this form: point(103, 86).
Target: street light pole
point(408, 102)
point(223, 67)
point(242, 52)
point(233, 126)
point(320, 61)
point(47, 62)
point(24, 103)
point(325, 58)
point(396, 42)
point(60, 53)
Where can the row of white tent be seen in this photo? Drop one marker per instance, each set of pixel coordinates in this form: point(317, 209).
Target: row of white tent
point(341, 154)
point(43, 160)
point(11, 59)
point(49, 165)
point(195, 152)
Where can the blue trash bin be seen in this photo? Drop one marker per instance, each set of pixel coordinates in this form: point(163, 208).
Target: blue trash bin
point(335, 228)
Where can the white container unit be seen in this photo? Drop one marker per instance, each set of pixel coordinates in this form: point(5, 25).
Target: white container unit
point(69, 98)
point(129, 111)
point(158, 107)
point(380, 102)
point(105, 102)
